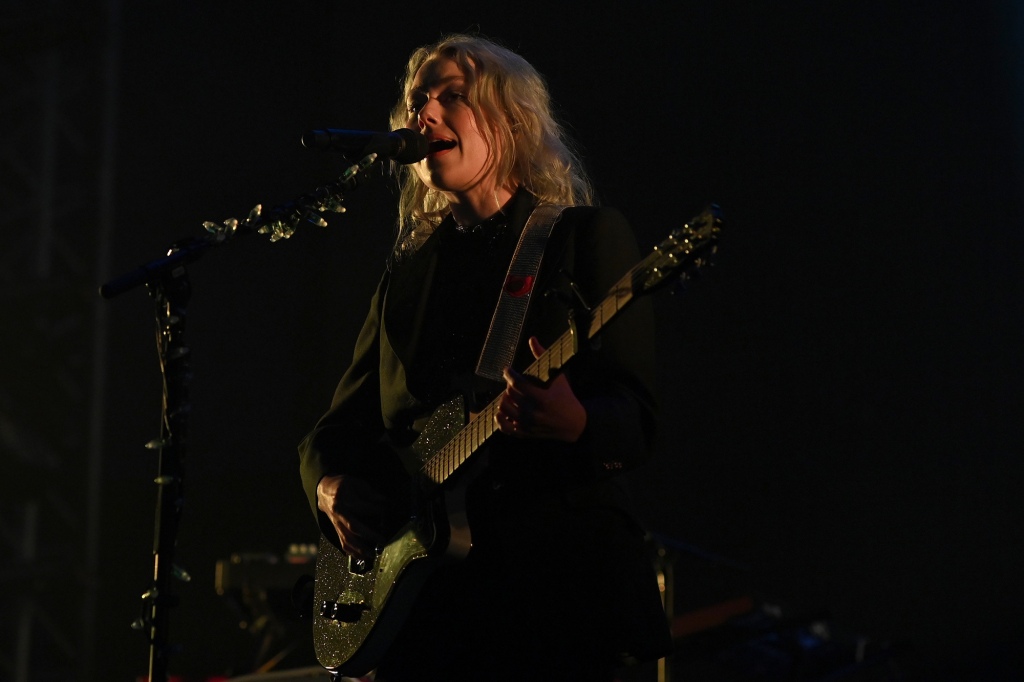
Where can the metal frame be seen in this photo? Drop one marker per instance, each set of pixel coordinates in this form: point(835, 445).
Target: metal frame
point(56, 186)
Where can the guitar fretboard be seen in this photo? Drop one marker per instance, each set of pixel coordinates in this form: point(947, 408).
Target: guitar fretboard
point(481, 427)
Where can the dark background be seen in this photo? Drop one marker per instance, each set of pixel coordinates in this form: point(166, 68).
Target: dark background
point(840, 394)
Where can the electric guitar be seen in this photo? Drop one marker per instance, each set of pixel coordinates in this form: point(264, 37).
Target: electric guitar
point(360, 605)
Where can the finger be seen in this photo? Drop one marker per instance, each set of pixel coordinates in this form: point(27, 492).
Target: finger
point(348, 543)
point(512, 377)
point(509, 426)
point(505, 421)
point(513, 403)
point(520, 387)
point(520, 410)
point(535, 347)
point(358, 537)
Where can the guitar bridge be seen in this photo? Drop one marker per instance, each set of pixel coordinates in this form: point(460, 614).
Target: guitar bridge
point(341, 611)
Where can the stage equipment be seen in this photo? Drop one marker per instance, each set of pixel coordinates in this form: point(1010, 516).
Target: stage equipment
point(744, 639)
point(273, 598)
point(167, 280)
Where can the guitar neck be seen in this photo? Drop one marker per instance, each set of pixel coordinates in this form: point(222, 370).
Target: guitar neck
point(481, 427)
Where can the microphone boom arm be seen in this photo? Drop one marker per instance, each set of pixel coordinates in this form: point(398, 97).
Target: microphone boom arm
point(279, 223)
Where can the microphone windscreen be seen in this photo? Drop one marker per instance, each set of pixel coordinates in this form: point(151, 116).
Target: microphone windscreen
point(414, 147)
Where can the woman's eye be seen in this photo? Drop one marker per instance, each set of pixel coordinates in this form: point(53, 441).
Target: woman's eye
point(447, 99)
point(416, 102)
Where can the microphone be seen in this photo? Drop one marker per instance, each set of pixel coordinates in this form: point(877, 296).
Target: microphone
point(402, 145)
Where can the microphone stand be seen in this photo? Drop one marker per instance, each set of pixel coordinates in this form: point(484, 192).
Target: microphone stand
point(171, 292)
point(167, 280)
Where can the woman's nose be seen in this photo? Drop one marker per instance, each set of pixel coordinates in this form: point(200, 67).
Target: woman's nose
point(428, 112)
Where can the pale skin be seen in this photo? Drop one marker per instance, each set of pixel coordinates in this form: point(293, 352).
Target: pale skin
point(465, 173)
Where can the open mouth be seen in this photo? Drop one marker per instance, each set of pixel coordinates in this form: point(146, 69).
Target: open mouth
point(440, 146)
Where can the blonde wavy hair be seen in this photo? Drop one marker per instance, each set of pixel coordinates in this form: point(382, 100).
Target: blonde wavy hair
point(510, 98)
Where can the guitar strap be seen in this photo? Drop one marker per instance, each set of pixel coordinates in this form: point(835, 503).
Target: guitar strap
point(514, 299)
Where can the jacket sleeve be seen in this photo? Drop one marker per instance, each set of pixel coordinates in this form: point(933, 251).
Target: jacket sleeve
point(347, 435)
point(615, 372)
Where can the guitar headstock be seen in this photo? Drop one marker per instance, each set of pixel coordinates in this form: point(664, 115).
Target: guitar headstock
point(686, 250)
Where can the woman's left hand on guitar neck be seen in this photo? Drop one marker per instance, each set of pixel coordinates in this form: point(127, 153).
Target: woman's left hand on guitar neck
point(529, 409)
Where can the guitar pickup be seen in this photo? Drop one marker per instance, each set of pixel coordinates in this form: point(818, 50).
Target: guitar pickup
point(341, 611)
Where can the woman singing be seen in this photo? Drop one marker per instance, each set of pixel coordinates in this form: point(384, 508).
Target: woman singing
point(558, 584)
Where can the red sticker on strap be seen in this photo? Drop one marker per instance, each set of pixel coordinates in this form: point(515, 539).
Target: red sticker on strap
point(518, 285)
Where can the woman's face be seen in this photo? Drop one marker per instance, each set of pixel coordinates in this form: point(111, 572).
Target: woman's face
point(460, 162)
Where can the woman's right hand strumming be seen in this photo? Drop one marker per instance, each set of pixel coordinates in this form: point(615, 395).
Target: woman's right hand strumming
point(349, 502)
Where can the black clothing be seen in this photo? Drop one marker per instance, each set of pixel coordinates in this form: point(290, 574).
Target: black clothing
point(558, 575)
